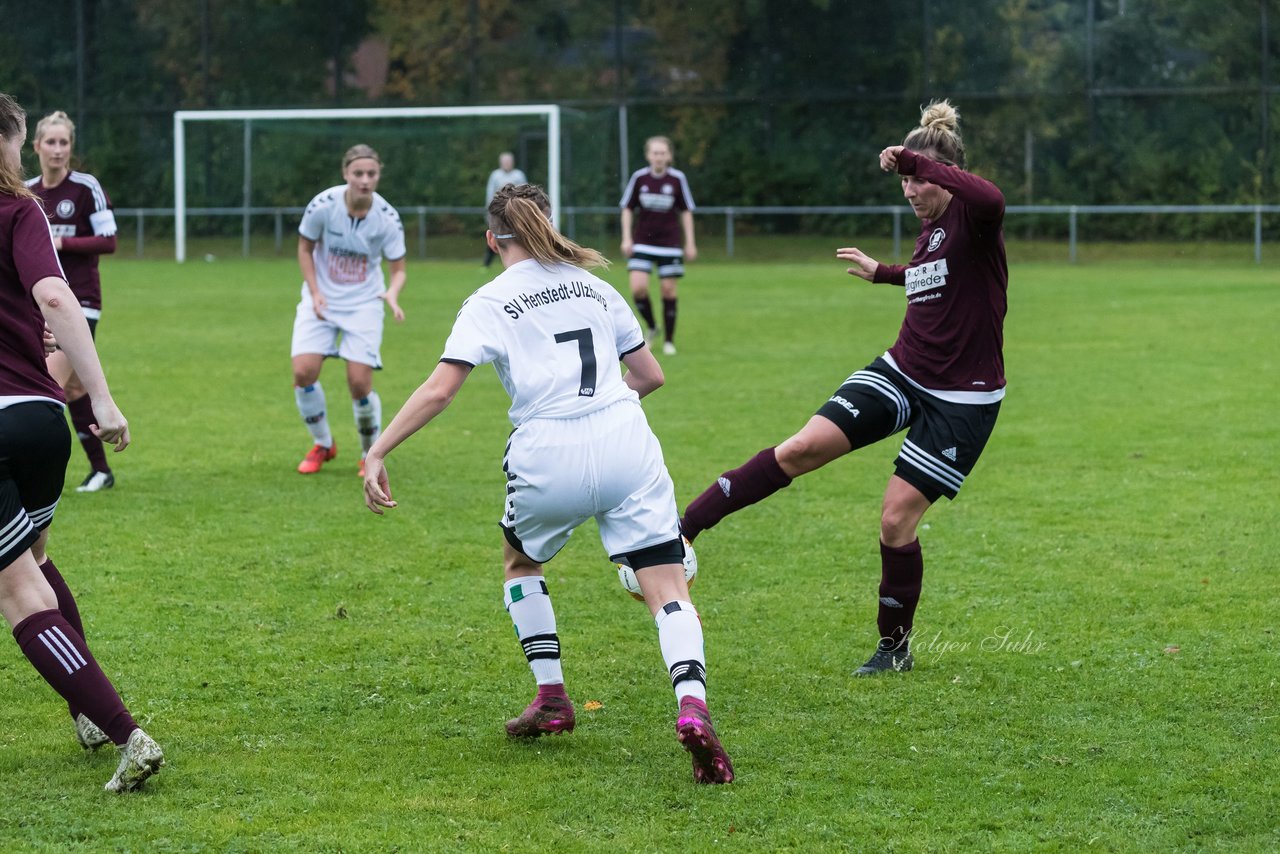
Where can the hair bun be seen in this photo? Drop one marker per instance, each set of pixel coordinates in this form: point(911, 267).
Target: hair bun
point(940, 115)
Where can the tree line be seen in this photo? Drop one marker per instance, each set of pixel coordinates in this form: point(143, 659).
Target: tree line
point(777, 102)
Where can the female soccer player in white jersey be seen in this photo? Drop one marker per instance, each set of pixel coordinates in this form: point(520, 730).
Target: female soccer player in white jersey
point(581, 448)
point(84, 227)
point(34, 446)
point(345, 233)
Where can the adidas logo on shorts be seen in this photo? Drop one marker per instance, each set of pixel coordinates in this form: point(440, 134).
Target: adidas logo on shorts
point(950, 453)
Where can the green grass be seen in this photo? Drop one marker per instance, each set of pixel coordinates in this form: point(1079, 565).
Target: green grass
point(322, 679)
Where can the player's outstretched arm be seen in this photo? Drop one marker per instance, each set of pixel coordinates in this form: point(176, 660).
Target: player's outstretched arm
point(430, 399)
point(864, 265)
point(66, 321)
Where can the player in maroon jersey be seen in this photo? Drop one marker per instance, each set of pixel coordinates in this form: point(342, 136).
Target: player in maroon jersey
point(34, 446)
point(664, 207)
point(84, 227)
point(942, 381)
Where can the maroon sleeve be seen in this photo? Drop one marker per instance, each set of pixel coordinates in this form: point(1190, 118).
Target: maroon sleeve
point(891, 274)
point(93, 245)
point(980, 195)
point(33, 253)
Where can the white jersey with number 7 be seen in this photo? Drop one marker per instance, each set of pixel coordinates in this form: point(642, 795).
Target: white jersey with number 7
point(555, 334)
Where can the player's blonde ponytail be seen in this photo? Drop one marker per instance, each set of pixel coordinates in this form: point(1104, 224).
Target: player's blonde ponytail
point(13, 122)
point(519, 212)
point(938, 134)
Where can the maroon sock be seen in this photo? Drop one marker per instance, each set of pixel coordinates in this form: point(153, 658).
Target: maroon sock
point(81, 417)
point(60, 655)
point(901, 572)
point(645, 305)
point(557, 690)
point(756, 479)
point(669, 318)
point(66, 604)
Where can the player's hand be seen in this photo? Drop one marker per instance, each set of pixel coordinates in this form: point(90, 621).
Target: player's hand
point(627, 247)
point(57, 244)
point(319, 304)
point(377, 491)
point(690, 252)
point(111, 426)
point(865, 266)
point(50, 343)
point(889, 158)
point(396, 311)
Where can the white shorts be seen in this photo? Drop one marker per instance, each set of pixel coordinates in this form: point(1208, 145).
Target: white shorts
point(351, 334)
point(608, 465)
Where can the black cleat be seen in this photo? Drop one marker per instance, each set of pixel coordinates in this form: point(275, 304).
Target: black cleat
point(97, 481)
point(887, 661)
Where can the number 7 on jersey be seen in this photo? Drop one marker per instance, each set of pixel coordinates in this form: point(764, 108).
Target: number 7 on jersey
point(586, 352)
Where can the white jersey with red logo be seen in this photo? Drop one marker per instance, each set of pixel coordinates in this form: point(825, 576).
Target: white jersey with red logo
point(349, 250)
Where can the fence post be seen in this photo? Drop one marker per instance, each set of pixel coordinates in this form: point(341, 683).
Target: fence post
point(1072, 240)
point(422, 232)
point(141, 216)
point(279, 232)
point(1257, 234)
point(897, 233)
point(728, 231)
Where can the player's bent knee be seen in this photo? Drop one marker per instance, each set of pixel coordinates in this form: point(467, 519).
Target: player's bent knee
point(670, 552)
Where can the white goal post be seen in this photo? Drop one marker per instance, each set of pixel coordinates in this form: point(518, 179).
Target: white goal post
point(551, 112)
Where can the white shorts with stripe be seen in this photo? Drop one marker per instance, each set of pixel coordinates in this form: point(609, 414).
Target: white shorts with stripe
point(606, 465)
point(354, 335)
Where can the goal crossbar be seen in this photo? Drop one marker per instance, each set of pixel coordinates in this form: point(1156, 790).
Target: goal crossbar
point(551, 112)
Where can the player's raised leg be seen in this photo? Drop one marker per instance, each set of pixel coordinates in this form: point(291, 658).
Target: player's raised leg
point(818, 443)
point(528, 603)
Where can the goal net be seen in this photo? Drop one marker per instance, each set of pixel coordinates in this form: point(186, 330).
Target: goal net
point(235, 172)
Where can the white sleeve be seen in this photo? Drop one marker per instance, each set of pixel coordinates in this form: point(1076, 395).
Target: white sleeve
point(312, 225)
point(393, 248)
point(103, 222)
point(471, 340)
point(626, 329)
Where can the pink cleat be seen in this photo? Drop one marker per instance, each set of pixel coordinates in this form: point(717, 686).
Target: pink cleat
point(696, 734)
point(545, 716)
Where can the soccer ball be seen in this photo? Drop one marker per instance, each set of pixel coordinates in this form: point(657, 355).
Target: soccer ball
point(627, 576)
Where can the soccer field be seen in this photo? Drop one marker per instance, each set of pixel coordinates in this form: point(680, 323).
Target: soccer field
point(1096, 644)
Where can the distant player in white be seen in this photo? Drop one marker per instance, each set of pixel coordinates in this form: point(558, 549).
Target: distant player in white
point(581, 449)
point(345, 233)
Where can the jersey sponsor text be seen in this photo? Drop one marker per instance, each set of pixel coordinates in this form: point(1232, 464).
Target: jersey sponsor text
point(926, 277)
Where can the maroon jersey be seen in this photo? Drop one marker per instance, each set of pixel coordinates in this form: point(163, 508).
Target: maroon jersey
point(659, 201)
point(26, 257)
point(81, 214)
point(952, 336)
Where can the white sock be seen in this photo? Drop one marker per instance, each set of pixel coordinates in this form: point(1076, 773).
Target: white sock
point(368, 412)
point(680, 636)
point(311, 406)
point(529, 605)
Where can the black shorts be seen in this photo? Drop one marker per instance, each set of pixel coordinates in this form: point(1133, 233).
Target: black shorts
point(668, 266)
point(944, 439)
point(34, 447)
